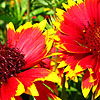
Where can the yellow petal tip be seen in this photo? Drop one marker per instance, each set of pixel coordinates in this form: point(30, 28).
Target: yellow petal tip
point(11, 26)
point(42, 24)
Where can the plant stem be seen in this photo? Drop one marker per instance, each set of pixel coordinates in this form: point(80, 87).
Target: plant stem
point(28, 10)
point(63, 95)
point(92, 97)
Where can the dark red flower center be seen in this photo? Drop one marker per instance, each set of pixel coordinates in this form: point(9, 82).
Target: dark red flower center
point(91, 37)
point(11, 62)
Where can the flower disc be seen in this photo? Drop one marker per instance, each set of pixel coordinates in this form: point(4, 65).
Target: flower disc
point(11, 62)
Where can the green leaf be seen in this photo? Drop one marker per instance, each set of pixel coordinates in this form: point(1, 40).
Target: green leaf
point(2, 4)
point(37, 11)
point(43, 2)
point(23, 7)
point(51, 12)
point(8, 18)
point(48, 26)
point(73, 89)
point(17, 10)
point(40, 18)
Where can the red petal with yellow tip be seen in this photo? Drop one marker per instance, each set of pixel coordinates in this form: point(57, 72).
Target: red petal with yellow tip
point(28, 76)
point(18, 98)
point(82, 22)
point(8, 90)
point(52, 86)
point(44, 92)
point(86, 85)
point(76, 48)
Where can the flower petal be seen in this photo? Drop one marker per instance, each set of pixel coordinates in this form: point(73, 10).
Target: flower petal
point(83, 64)
point(79, 1)
point(97, 92)
point(52, 86)
point(44, 92)
point(11, 26)
point(71, 3)
point(32, 90)
point(20, 89)
point(29, 40)
point(86, 85)
point(8, 90)
point(92, 9)
point(76, 48)
point(18, 98)
point(11, 34)
point(27, 77)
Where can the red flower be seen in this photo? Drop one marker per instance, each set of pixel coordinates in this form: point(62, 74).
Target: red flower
point(80, 27)
point(25, 48)
point(44, 92)
point(53, 65)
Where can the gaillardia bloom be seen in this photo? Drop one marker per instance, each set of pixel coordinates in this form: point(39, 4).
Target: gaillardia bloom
point(25, 48)
point(80, 39)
